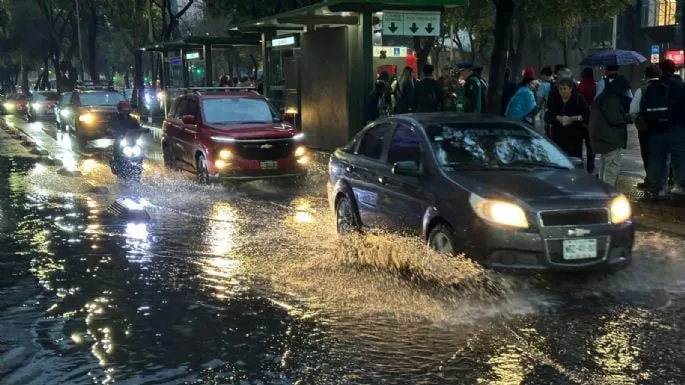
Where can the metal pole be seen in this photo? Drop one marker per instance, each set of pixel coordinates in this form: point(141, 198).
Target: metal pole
point(78, 31)
point(614, 32)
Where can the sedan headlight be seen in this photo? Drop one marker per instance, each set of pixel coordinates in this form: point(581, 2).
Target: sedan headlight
point(499, 212)
point(620, 209)
point(86, 118)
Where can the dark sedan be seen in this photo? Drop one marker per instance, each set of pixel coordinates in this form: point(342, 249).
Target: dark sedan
point(485, 186)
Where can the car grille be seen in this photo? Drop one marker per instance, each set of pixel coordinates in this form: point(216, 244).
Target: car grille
point(265, 150)
point(574, 217)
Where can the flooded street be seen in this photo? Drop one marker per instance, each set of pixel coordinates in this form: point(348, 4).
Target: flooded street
point(251, 285)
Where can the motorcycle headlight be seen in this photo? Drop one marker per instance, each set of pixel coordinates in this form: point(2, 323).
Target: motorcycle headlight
point(620, 209)
point(136, 151)
point(499, 212)
point(128, 151)
point(36, 106)
point(123, 143)
point(140, 142)
point(87, 118)
point(64, 113)
point(8, 105)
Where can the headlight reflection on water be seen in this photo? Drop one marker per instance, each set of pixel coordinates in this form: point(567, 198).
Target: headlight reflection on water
point(221, 230)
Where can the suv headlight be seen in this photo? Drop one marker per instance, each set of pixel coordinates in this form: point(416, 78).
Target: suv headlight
point(620, 209)
point(87, 118)
point(499, 212)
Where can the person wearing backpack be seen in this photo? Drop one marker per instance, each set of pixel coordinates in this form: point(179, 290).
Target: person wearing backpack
point(652, 74)
point(609, 118)
point(429, 93)
point(662, 108)
point(473, 93)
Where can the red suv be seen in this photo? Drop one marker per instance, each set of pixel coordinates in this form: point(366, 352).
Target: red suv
point(231, 134)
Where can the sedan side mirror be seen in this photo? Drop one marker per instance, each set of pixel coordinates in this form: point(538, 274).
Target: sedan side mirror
point(406, 168)
point(189, 119)
point(578, 162)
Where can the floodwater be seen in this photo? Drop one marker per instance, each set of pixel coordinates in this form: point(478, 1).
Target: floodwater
point(251, 285)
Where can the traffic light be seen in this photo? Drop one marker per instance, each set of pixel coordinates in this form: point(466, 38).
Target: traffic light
point(199, 70)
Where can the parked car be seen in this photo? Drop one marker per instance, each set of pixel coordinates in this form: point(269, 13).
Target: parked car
point(485, 186)
point(231, 134)
point(42, 104)
point(15, 104)
point(61, 109)
point(89, 112)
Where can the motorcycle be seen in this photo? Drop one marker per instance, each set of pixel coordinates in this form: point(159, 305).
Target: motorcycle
point(127, 160)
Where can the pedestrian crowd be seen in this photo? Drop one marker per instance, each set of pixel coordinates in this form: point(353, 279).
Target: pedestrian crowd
point(585, 118)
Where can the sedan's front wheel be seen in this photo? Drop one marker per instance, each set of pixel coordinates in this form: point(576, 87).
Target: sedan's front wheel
point(441, 239)
point(345, 217)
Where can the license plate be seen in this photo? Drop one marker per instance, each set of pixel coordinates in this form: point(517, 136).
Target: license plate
point(575, 249)
point(269, 165)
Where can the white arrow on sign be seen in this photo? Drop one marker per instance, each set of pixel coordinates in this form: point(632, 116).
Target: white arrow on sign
point(393, 23)
point(421, 23)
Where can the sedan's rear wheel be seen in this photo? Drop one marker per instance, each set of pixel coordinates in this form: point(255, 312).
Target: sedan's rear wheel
point(202, 172)
point(345, 217)
point(441, 239)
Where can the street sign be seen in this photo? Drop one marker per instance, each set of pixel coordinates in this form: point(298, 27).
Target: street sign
point(390, 51)
point(414, 23)
point(192, 55)
point(422, 23)
point(655, 54)
point(393, 23)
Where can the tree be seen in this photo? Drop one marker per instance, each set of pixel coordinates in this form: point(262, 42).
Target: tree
point(476, 22)
point(504, 15)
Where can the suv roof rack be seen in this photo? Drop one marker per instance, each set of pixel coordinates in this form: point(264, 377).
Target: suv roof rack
point(200, 90)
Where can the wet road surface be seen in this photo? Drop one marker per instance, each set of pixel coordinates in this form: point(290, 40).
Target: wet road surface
point(251, 285)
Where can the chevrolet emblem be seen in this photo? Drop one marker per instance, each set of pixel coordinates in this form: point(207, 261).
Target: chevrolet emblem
point(578, 232)
point(266, 146)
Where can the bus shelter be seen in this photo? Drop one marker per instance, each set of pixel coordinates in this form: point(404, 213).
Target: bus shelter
point(186, 63)
point(320, 58)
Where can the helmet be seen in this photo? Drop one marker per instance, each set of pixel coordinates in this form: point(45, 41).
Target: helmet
point(124, 106)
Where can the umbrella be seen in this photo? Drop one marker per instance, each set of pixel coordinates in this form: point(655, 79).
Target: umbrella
point(615, 57)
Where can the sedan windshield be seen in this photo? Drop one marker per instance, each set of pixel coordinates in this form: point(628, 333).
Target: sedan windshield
point(45, 96)
point(101, 98)
point(238, 111)
point(493, 145)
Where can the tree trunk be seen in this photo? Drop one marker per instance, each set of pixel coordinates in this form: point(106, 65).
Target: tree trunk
point(422, 52)
point(504, 14)
point(564, 48)
point(92, 44)
point(517, 55)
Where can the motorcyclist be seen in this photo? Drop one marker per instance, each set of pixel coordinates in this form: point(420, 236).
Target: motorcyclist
point(123, 123)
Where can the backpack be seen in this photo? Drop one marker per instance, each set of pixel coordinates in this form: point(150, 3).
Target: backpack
point(654, 105)
point(426, 96)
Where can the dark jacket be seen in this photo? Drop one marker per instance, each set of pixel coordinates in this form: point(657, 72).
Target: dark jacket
point(610, 116)
point(676, 93)
point(122, 124)
point(508, 92)
point(406, 97)
point(430, 96)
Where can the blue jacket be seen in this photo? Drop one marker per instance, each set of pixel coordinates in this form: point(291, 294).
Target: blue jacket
point(521, 104)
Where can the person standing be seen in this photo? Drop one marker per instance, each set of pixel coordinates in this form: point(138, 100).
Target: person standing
point(568, 115)
point(404, 94)
point(610, 73)
point(652, 74)
point(609, 120)
point(588, 89)
point(522, 106)
point(429, 93)
point(473, 92)
point(666, 131)
point(545, 85)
